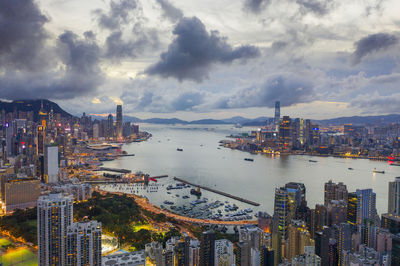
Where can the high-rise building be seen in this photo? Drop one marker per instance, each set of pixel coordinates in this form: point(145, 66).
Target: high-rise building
point(254, 238)
point(51, 164)
point(394, 197)
point(267, 257)
point(84, 244)
point(391, 222)
point(337, 212)
point(366, 206)
point(309, 258)
point(119, 122)
point(352, 208)
point(285, 131)
point(110, 126)
point(335, 191)
point(281, 210)
point(343, 240)
point(299, 237)
point(396, 250)
point(96, 131)
point(223, 252)
point(277, 116)
point(54, 215)
point(19, 193)
point(207, 248)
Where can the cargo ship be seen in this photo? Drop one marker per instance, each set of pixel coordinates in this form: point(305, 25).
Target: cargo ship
point(248, 159)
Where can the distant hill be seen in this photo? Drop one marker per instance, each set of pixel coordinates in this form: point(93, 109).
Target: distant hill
point(33, 105)
point(361, 120)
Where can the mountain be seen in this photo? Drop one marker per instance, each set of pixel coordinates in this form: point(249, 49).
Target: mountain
point(33, 106)
point(208, 122)
point(362, 120)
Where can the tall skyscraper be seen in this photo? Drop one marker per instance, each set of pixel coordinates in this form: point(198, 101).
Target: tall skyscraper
point(394, 197)
point(281, 210)
point(110, 126)
point(54, 215)
point(352, 208)
point(335, 191)
point(119, 122)
point(223, 252)
point(366, 207)
point(299, 237)
point(51, 164)
point(343, 240)
point(207, 248)
point(84, 244)
point(277, 116)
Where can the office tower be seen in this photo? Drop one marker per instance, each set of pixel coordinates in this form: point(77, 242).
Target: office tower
point(309, 258)
point(51, 164)
point(319, 218)
point(301, 132)
point(285, 131)
point(19, 193)
point(333, 253)
point(335, 191)
point(337, 212)
point(119, 122)
point(255, 239)
point(276, 239)
point(110, 126)
point(394, 197)
point(267, 257)
point(299, 237)
point(322, 248)
point(396, 250)
point(54, 215)
point(96, 131)
point(242, 255)
point(299, 190)
point(277, 116)
point(391, 222)
point(194, 252)
point(223, 252)
point(366, 206)
point(352, 209)
point(207, 248)
point(281, 209)
point(343, 240)
point(181, 251)
point(9, 138)
point(84, 244)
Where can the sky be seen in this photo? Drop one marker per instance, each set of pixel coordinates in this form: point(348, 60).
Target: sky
point(195, 59)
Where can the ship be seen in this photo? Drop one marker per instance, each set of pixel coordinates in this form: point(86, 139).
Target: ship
point(312, 161)
point(248, 159)
point(350, 168)
point(378, 172)
point(195, 192)
point(179, 149)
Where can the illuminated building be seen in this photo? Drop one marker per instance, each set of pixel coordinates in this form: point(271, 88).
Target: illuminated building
point(40, 139)
point(267, 257)
point(96, 133)
point(352, 209)
point(343, 240)
point(396, 250)
point(335, 191)
point(42, 115)
point(277, 116)
point(319, 218)
point(54, 215)
point(394, 197)
point(391, 222)
point(119, 122)
point(224, 252)
point(84, 244)
point(337, 212)
point(254, 238)
point(309, 258)
point(51, 164)
point(285, 131)
point(19, 193)
point(299, 237)
point(281, 209)
point(110, 126)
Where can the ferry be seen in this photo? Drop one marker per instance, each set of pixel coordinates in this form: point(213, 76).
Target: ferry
point(350, 168)
point(249, 159)
point(312, 161)
point(179, 149)
point(378, 172)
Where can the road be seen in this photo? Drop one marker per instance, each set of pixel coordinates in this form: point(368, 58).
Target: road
point(145, 204)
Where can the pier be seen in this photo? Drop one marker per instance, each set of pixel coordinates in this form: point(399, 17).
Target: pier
point(219, 192)
point(117, 170)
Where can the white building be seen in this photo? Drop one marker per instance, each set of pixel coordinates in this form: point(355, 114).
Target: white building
point(51, 164)
point(54, 215)
point(84, 244)
point(223, 253)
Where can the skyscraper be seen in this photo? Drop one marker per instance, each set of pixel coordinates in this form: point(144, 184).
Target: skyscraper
point(207, 248)
point(223, 252)
point(335, 191)
point(51, 164)
point(277, 116)
point(110, 126)
point(281, 210)
point(119, 122)
point(54, 215)
point(394, 197)
point(84, 244)
point(366, 206)
point(343, 240)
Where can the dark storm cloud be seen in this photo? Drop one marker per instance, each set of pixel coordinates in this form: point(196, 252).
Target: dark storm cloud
point(79, 75)
point(288, 90)
point(22, 35)
point(118, 14)
point(194, 50)
point(256, 6)
point(186, 101)
point(170, 11)
point(318, 7)
point(372, 44)
point(116, 48)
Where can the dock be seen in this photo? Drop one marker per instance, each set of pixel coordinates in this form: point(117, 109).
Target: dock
point(117, 170)
point(219, 192)
point(160, 176)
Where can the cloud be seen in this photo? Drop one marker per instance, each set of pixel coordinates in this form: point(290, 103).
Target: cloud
point(187, 101)
point(376, 103)
point(318, 7)
point(372, 44)
point(255, 6)
point(22, 35)
point(194, 50)
point(288, 90)
point(170, 11)
point(118, 14)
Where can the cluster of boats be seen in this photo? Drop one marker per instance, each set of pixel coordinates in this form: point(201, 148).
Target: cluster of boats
point(178, 186)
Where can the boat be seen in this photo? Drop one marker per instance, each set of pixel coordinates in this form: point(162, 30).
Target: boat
point(179, 149)
point(395, 164)
point(195, 192)
point(312, 161)
point(350, 168)
point(249, 159)
point(378, 172)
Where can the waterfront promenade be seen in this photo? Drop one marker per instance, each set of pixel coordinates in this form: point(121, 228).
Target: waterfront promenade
point(145, 204)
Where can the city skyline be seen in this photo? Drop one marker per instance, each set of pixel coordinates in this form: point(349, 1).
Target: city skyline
point(192, 61)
